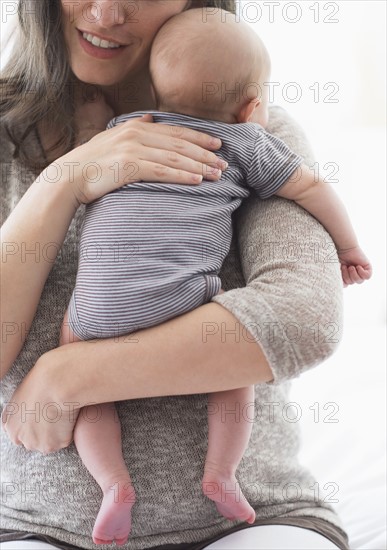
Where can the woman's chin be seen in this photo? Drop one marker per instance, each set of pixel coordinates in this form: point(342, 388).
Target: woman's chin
point(105, 76)
point(97, 78)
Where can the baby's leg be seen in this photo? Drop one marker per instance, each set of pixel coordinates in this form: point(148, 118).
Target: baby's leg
point(229, 430)
point(97, 436)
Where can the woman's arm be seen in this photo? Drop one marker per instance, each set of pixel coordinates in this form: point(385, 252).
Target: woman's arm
point(293, 301)
point(35, 230)
point(30, 240)
point(202, 351)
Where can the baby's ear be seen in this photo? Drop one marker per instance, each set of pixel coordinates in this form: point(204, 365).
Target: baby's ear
point(247, 110)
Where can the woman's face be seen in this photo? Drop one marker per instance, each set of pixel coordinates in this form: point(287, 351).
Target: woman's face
point(109, 40)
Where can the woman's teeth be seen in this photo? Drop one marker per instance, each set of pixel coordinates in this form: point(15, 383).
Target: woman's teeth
point(98, 42)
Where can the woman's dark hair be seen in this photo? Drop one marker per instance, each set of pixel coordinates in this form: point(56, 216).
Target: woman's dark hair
point(37, 84)
point(228, 5)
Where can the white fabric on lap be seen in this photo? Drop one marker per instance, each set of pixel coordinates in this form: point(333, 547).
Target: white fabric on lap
point(32, 544)
point(273, 537)
point(261, 537)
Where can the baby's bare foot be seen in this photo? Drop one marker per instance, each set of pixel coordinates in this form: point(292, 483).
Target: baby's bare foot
point(225, 491)
point(114, 518)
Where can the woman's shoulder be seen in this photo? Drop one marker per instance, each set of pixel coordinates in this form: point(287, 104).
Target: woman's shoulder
point(6, 146)
point(15, 177)
point(284, 126)
point(6, 173)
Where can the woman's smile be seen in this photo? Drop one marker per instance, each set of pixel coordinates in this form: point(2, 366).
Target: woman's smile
point(97, 46)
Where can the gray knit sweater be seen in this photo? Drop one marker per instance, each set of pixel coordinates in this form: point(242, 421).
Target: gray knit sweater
point(279, 289)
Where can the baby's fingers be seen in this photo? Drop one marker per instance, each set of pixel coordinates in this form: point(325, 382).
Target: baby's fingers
point(162, 157)
point(345, 276)
point(364, 272)
point(354, 274)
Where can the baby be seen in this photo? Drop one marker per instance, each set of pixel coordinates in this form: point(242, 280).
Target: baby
point(160, 246)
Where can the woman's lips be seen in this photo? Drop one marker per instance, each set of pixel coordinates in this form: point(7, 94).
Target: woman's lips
point(96, 51)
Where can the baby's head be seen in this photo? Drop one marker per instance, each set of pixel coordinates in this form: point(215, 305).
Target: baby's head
point(211, 69)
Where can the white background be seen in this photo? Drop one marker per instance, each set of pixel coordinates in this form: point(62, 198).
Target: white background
point(340, 46)
point(348, 448)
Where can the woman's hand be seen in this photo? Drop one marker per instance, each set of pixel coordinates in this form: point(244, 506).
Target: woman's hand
point(34, 417)
point(139, 150)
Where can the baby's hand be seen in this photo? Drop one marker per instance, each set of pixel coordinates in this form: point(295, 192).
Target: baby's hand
point(355, 266)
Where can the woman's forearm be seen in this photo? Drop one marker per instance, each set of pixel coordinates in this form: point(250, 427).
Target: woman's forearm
point(31, 237)
point(203, 351)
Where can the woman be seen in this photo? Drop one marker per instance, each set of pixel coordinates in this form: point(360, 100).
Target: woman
point(283, 322)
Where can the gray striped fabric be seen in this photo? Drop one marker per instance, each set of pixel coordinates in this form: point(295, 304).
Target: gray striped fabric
point(153, 251)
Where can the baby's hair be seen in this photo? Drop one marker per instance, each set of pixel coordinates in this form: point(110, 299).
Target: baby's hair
point(183, 75)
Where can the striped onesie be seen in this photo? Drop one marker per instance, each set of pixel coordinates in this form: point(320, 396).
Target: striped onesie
point(152, 251)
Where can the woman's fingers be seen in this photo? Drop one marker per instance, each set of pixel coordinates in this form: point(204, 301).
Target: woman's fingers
point(158, 136)
point(4, 419)
point(8, 410)
point(186, 134)
point(151, 171)
point(165, 158)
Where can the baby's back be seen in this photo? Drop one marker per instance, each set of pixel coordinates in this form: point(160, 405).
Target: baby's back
point(153, 251)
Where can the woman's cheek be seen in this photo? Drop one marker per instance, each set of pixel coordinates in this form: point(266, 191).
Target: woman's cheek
point(152, 14)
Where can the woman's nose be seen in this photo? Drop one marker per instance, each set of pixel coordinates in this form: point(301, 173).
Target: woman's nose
point(108, 13)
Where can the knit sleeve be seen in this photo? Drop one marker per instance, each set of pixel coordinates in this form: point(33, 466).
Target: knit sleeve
point(292, 302)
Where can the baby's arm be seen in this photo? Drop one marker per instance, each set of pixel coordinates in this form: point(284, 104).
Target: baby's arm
point(319, 198)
